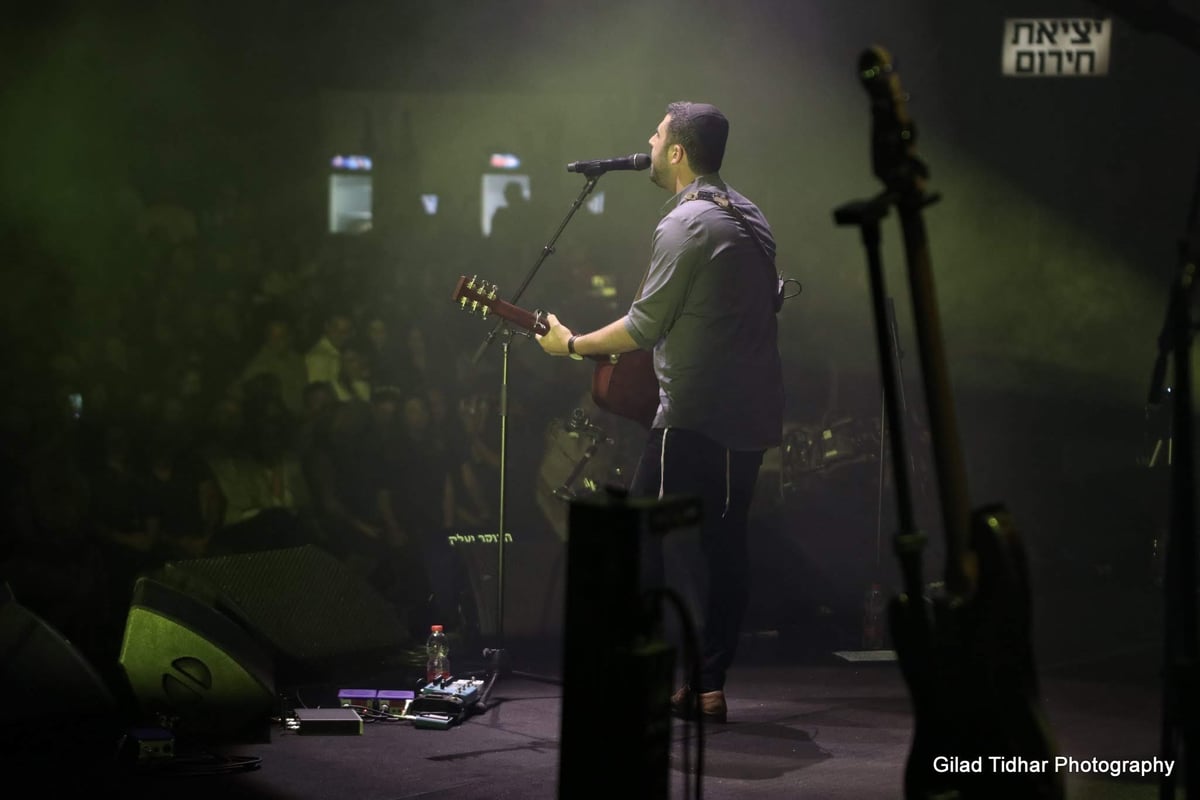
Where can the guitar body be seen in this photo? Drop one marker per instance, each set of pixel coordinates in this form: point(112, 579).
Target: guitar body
point(626, 385)
point(979, 731)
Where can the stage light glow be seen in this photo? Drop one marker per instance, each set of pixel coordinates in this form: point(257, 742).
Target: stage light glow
point(352, 163)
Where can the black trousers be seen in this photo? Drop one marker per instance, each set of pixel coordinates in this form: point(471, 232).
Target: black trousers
point(682, 462)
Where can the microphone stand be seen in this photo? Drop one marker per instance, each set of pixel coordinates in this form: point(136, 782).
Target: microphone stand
point(1181, 676)
point(498, 657)
point(1180, 699)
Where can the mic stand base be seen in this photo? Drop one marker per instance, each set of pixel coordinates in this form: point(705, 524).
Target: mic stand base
point(500, 663)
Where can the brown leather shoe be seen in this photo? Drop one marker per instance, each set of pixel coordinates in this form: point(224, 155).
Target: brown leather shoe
point(712, 705)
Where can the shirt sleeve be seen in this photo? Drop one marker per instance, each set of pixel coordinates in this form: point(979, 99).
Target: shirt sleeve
point(675, 252)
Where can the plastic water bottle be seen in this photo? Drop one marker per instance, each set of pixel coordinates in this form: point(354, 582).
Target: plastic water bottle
point(873, 632)
point(437, 655)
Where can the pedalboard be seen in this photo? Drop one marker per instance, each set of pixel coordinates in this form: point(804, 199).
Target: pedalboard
point(384, 701)
point(444, 703)
point(438, 704)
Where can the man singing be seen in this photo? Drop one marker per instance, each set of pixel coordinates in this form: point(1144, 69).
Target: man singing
point(707, 310)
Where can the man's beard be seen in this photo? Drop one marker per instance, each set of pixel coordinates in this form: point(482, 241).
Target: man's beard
point(658, 175)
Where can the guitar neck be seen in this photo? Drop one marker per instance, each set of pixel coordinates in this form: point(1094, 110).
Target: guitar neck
point(895, 162)
point(531, 321)
point(943, 426)
point(473, 296)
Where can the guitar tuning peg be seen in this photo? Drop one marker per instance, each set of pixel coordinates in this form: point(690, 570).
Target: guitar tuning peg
point(462, 302)
point(474, 306)
point(492, 295)
point(486, 309)
point(471, 283)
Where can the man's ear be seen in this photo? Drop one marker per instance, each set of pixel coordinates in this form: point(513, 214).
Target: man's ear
point(677, 154)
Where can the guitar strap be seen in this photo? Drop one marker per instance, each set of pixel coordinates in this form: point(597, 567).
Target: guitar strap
point(724, 202)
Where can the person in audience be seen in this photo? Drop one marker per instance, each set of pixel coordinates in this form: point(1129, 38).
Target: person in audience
point(425, 496)
point(319, 397)
point(354, 374)
point(386, 359)
point(349, 501)
point(319, 401)
point(126, 532)
point(182, 494)
point(278, 356)
point(475, 416)
point(323, 359)
point(262, 482)
point(419, 367)
point(112, 380)
point(261, 391)
point(119, 495)
point(473, 507)
point(401, 574)
point(229, 313)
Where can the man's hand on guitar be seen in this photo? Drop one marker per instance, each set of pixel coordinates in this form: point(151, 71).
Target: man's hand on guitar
point(554, 341)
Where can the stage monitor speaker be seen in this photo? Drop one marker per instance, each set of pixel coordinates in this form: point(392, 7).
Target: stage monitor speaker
point(210, 641)
point(193, 669)
point(56, 701)
point(316, 616)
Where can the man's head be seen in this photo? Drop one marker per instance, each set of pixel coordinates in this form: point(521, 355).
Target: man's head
point(377, 332)
point(416, 415)
point(355, 365)
point(318, 396)
point(386, 405)
point(338, 329)
point(278, 336)
point(690, 141)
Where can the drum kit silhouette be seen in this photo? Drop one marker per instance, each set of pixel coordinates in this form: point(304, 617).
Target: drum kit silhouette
point(581, 458)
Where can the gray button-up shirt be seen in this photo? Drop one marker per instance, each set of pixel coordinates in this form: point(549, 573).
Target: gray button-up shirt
point(707, 310)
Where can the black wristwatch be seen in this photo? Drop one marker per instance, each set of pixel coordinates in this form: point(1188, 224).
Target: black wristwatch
point(571, 347)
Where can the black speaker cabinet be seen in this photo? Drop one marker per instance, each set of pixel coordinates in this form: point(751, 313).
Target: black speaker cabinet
point(306, 605)
point(56, 701)
point(194, 668)
point(617, 666)
point(211, 640)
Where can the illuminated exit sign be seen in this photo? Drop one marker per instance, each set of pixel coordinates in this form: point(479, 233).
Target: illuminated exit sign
point(1052, 48)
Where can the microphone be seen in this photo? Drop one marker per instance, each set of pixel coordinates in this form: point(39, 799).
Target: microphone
point(636, 161)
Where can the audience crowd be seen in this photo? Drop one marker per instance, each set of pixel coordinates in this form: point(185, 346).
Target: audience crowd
point(225, 391)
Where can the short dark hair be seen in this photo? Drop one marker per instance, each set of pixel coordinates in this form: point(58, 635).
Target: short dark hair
point(702, 130)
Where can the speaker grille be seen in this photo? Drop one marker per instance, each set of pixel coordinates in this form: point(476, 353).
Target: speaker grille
point(301, 600)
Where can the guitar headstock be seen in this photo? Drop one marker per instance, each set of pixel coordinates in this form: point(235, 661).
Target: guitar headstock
point(473, 294)
point(893, 134)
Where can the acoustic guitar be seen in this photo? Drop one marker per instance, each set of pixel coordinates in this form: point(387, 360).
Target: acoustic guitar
point(965, 651)
point(623, 384)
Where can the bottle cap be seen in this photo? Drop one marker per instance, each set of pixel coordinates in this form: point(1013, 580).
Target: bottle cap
point(435, 628)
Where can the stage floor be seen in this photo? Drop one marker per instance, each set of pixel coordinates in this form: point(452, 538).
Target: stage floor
point(822, 728)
